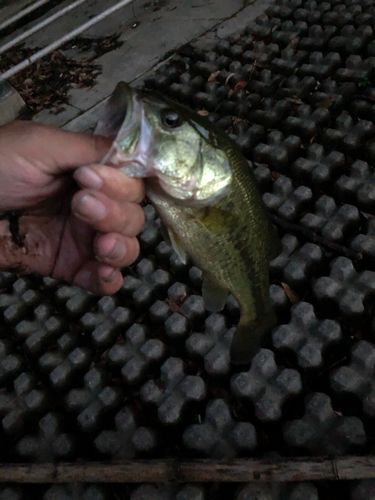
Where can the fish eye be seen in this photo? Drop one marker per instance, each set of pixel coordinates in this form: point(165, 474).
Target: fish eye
point(170, 119)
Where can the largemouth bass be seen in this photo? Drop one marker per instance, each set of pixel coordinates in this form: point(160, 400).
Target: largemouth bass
point(207, 197)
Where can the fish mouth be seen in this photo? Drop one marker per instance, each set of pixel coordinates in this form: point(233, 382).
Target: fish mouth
point(124, 121)
point(117, 112)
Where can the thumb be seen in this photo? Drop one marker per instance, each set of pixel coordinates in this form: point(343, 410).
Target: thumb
point(55, 150)
point(80, 149)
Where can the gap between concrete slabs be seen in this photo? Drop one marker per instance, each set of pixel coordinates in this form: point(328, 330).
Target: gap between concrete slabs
point(147, 58)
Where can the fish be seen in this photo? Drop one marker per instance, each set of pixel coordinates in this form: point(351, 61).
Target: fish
point(208, 201)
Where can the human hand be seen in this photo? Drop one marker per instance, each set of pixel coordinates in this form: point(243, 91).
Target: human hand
point(83, 234)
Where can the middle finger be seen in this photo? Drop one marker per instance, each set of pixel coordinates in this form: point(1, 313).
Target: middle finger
point(107, 215)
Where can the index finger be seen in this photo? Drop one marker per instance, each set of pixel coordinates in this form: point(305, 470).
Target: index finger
point(111, 182)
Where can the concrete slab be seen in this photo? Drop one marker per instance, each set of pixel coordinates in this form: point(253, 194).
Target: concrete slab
point(58, 28)
point(57, 116)
point(239, 21)
point(143, 11)
point(164, 26)
point(9, 8)
point(146, 55)
point(233, 25)
point(86, 121)
point(11, 103)
point(159, 32)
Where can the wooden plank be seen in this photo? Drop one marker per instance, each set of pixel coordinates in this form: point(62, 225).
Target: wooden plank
point(156, 471)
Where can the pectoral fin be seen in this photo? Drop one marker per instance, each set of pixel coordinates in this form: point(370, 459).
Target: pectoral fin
point(172, 238)
point(214, 297)
point(216, 220)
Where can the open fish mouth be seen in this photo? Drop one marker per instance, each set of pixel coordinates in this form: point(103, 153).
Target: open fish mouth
point(124, 121)
point(117, 112)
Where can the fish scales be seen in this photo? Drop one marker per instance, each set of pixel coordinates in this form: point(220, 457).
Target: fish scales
point(235, 258)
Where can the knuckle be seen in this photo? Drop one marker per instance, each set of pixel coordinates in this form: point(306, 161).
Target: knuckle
point(133, 252)
point(132, 219)
point(141, 194)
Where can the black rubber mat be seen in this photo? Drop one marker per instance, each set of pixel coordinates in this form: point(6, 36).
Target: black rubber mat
point(146, 373)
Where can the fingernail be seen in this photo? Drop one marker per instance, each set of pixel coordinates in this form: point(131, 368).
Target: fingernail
point(91, 208)
point(107, 273)
point(86, 177)
point(117, 251)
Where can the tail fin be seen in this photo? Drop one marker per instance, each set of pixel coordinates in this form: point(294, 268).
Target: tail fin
point(247, 339)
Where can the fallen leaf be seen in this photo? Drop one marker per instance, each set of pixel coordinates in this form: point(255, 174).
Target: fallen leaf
point(292, 296)
point(294, 100)
point(240, 85)
point(46, 83)
point(294, 42)
point(213, 76)
point(229, 77)
point(174, 307)
point(235, 120)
